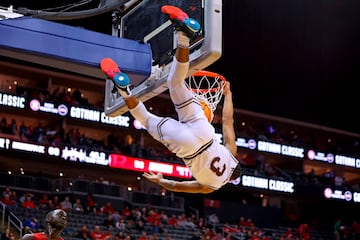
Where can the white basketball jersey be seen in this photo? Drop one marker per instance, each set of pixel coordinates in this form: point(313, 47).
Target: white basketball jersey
point(214, 166)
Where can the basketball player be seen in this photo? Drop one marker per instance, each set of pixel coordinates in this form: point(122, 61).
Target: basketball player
point(56, 222)
point(191, 137)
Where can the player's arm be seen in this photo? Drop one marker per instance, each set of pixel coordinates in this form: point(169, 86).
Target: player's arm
point(177, 186)
point(28, 236)
point(228, 120)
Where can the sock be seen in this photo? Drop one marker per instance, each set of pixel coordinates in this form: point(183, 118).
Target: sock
point(124, 92)
point(182, 40)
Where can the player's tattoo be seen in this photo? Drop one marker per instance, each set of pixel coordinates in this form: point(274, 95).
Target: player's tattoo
point(216, 169)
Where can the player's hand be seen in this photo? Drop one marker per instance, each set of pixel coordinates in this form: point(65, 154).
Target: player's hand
point(226, 89)
point(153, 177)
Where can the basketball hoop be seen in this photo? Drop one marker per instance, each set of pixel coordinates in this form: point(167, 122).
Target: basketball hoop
point(207, 87)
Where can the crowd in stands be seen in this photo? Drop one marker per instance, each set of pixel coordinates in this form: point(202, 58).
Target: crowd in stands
point(149, 223)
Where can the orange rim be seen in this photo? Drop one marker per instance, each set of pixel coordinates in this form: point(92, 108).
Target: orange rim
point(204, 73)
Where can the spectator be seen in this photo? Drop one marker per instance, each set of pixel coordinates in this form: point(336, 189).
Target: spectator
point(120, 235)
point(201, 223)
point(7, 191)
point(108, 222)
point(44, 201)
point(304, 231)
point(242, 222)
point(33, 224)
point(84, 233)
point(164, 217)
point(28, 202)
point(116, 216)
point(140, 225)
point(143, 236)
point(55, 204)
point(121, 225)
point(107, 208)
point(126, 212)
point(154, 220)
point(8, 201)
point(77, 206)
point(97, 234)
point(213, 219)
point(289, 234)
point(173, 221)
point(66, 205)
point(91, 203)
point(7, 235)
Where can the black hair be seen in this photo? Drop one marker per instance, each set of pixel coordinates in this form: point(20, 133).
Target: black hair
point(237, 172)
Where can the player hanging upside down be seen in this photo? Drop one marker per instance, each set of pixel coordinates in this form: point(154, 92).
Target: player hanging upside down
point(191, 137)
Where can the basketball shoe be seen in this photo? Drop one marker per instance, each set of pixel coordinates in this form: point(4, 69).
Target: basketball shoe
point(120, 79)
point(181, 20)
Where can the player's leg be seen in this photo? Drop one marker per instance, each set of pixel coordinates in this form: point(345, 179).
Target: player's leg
point(186, 105)
point(122, 85)
point(173, 134)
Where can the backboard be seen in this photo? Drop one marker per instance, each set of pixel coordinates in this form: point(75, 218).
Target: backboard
point(143, 21)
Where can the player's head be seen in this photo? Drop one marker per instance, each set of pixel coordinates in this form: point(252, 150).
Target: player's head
point(57, 218)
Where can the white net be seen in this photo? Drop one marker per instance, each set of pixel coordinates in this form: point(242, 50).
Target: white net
point(207, 87)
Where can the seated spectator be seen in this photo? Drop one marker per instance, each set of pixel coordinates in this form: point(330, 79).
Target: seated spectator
point(108, 222)
point(213, 219)
point(22, 198)
point(84, 233)
point(44, 201)
point(304, 231)
point(28, 202)
point(242, 222)
point(7, 191)
point(201, 223)
point(173, 221)
point(143, 236)
point(33, 224)
point(164, 217)
point(7, 235)
point(289, 234)
point(250, 223)
point(97, 234)
point(66, 205)
point(126, 212)
point(121, 225)
point(8, 201)
point(140, 225)
point(77, 206)
point(116, 216)
point(107, 208)
point(120, 236)
point(55, 203)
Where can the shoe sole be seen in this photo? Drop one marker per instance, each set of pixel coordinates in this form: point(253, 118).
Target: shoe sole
point(174, 13)
point(109, 67)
